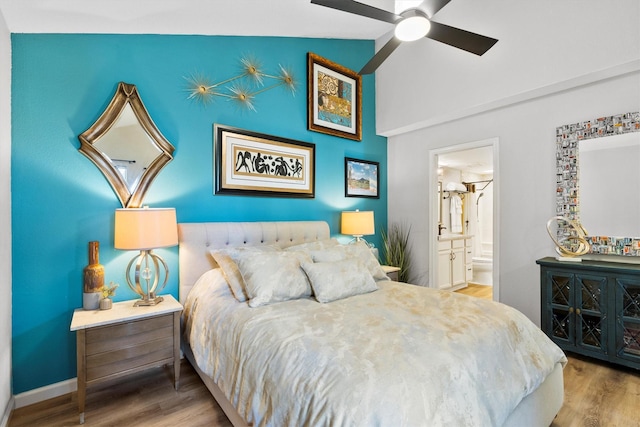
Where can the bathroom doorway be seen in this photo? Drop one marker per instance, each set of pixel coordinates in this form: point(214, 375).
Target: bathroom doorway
point(465, 207)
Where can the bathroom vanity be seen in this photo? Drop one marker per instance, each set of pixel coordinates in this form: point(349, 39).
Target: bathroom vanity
point(455, 268)
point(592, 308)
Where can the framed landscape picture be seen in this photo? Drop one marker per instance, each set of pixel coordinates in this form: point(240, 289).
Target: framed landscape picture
point(361, 178)
point(252, 163)
point(334, 98)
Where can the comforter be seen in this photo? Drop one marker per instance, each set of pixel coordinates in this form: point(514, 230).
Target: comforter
point(400, 356)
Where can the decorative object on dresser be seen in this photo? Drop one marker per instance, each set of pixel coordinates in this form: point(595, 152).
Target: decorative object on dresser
point(127, 147)
point(361, 178)
point(117, 342)
point(334, 98)
point(592, 308)
point(252, 163)
point(93, 278)
point(357, 224)
point(145, 229)
point(570, 238)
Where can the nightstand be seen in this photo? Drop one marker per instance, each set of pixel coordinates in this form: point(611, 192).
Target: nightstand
point(391, 271)
point(125, 339)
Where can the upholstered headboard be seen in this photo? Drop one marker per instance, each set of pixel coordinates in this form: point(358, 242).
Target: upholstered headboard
point(197, 239)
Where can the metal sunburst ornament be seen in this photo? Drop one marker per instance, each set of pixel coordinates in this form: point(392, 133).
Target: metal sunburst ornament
point(201, 89)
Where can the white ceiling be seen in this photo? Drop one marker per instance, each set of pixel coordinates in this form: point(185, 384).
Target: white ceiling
point(288, 18)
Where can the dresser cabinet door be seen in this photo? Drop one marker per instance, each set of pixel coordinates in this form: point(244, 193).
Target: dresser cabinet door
point(628, 318)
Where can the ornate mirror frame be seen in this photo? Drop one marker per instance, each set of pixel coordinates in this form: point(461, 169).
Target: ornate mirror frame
point(567, 176)
point(126, 94)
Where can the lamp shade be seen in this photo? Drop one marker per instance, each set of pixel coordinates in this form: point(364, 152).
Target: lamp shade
point(145, 228)
point(357, 223)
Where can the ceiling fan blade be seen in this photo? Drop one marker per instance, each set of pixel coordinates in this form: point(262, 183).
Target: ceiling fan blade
point(359, 9)
point(462, 39)
point(379, 57)
point(433, 6)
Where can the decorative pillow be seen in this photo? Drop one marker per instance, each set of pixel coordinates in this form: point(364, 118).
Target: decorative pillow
point(337, 280)
point(227, 261)
point(357, 250)
point(274, 277)
point(314, 246)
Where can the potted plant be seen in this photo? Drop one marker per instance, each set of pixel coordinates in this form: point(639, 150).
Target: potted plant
point(396, 249)
point(108, 291)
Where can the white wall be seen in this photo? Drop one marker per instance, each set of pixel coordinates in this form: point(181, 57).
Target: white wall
point(540, 43)
point(5, 220)
point(526, 132)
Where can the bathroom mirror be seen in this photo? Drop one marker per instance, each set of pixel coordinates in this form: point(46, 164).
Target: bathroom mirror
point(598, 181)
point(127, 147)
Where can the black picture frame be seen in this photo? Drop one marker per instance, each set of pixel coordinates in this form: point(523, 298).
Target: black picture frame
point(257, 164)
point(361, 178)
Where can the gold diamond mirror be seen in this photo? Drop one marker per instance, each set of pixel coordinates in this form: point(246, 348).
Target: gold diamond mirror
point(126, 146)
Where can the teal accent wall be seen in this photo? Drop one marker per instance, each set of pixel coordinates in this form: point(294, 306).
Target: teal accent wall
point(60, 201)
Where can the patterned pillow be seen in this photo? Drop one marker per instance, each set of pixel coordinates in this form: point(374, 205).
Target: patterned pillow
point(227, 261)
point(337, 280)
point(271, 277)
point(357, 250)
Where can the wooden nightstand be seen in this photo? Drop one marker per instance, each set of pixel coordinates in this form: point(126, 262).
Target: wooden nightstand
point(125, 339)
point(391, 271)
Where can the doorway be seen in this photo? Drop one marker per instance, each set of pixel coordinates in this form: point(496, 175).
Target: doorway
point(465, 206)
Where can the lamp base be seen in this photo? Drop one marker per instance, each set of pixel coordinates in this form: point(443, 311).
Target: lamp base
point(145, 302)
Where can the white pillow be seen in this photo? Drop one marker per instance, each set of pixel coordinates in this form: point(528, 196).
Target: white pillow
point(337, 280)
point(227, 260)
point(316, 245)
point(274, 276)
point(357, 250)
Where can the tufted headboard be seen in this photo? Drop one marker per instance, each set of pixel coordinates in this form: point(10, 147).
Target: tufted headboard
point(197, 239)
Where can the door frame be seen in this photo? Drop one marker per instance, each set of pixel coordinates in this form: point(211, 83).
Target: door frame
point(433, 208)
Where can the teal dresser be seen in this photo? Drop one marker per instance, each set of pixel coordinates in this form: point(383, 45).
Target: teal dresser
point(592, 308)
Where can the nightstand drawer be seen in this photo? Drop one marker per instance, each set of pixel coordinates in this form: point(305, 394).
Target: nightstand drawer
point(105, 338)
point(126, 346)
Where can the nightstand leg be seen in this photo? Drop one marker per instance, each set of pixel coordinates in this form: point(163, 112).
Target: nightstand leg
point(82, 380)
point(176, 349)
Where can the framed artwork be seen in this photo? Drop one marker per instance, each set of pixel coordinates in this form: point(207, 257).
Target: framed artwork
point(361, 178)
point(334, 98)
point(251, 163)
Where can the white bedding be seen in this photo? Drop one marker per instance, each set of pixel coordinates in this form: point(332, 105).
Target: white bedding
point(400, 356)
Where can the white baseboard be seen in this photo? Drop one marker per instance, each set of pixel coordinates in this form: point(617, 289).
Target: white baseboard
point(47, 392)
point(7, 413)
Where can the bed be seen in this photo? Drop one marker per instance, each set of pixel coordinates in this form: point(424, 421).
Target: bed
point(398, 354)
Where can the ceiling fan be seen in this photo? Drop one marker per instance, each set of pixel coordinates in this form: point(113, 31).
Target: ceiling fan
point(412, 24)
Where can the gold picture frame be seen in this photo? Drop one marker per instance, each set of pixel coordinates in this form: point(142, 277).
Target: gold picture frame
point(334, 98)
point(252, 163)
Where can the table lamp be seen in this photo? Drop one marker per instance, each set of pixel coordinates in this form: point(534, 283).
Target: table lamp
point(145, 229)
point(357, 223)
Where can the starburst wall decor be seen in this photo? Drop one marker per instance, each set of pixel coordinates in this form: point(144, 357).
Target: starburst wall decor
point(241, 88)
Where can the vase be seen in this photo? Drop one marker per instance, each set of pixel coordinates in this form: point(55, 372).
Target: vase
point(106, 304)
point(93, 278)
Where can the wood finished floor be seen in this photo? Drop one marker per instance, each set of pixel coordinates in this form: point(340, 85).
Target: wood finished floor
point(596, 395)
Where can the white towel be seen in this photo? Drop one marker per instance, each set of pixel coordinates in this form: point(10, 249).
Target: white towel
point(456, 213)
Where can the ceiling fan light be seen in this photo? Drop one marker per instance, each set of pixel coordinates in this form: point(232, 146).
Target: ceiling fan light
point(412, 28)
